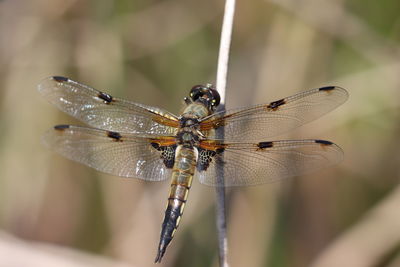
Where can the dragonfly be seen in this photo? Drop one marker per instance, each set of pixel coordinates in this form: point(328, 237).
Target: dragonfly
point(128, 139)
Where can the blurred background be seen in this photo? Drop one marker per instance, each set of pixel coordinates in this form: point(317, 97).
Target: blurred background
point(54, 212)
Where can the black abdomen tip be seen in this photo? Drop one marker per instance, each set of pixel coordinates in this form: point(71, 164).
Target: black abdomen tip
point(60, 79)
point(159, 256)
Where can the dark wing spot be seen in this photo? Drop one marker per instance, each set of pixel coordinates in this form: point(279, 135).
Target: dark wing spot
point(156, 145)
point(327, 88)
point(106, 97)
point(61, 127)
point(263, 145)
point(60, 79)
point(167, 154)
point(205, 158)
point(274, 105)
point(324, 142)
point(114, 135)
point(220, 150)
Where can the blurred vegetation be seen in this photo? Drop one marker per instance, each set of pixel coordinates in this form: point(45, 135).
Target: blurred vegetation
point(153, 52)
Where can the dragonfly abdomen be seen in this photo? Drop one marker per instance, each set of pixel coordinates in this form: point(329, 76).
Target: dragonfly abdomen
point(182, 175)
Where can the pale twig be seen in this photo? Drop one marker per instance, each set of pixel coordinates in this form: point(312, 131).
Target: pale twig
point(224, 48)
point(222, 71)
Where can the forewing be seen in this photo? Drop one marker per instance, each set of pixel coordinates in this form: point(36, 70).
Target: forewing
point(111, 152)
point(264, 162)
point(263, 121)
point(100, 110)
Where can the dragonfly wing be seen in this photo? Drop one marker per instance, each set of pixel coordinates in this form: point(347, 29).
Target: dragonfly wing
point(143, 157)
point(100, 110)
point(258, 163)
point(263, 121)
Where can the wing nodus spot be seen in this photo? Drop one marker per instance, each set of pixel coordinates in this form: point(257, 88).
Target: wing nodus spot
point(324, 142)
point(106, 97)
point(274, 105)
point(61, 127)
point(60, 79)
point(114, 135)
point(263, 145)
point(327, 88)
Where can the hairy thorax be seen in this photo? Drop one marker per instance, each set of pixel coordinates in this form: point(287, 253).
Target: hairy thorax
point(189, 133)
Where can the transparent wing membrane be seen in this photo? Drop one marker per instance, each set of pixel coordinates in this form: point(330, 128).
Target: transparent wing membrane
point(266, 120)
point(133, 140)
point(101, 110)
point(109, 152)
point(265, 162)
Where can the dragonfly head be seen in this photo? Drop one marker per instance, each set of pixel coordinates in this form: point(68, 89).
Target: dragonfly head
point(205, 94)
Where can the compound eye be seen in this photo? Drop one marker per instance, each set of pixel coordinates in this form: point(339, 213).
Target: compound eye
point(196, 92)
point(216, 98)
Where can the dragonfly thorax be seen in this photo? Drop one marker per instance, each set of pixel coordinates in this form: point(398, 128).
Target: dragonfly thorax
point(188, 137)
point(189, 131)
point(189, 121)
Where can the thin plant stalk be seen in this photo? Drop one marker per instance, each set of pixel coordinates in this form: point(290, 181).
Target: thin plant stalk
point(222, 71)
